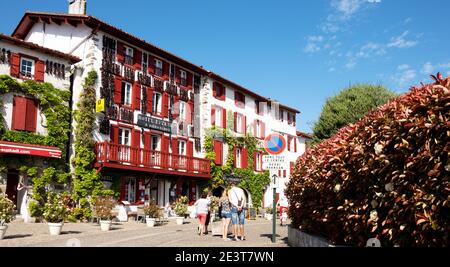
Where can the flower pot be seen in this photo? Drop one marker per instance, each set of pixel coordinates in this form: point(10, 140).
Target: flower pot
point(180, 220)
point(3, 231)
point(150, 222)
point(105, 225)
point(55, 228)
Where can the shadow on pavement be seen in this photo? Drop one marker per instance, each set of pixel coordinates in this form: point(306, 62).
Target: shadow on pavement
point(16, 236)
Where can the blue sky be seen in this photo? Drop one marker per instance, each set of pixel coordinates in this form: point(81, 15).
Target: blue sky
point(298, 52)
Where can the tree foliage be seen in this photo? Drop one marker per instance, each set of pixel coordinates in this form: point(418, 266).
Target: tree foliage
point(347, 107)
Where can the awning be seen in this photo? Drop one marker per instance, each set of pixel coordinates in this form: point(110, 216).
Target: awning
point(31, 150)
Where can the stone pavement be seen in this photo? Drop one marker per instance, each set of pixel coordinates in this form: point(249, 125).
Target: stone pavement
point(135, 234)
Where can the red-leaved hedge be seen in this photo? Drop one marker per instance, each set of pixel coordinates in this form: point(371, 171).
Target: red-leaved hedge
point(387, 176)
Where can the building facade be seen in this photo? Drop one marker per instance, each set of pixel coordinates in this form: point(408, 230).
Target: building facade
point(157, 107)
point(22, 112)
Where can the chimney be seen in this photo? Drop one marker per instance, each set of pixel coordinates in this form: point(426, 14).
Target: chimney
point(77, 7)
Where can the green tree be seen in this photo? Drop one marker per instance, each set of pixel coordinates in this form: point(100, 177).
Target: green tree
point(347, 107)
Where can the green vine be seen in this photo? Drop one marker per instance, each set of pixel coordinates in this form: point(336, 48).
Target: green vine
point(54, 104)
point(255, 183)
point(86, 182)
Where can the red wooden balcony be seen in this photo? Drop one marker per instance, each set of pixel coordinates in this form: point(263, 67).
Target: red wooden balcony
point(126, 157)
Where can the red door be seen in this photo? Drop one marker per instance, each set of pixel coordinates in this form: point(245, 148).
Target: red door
point(11, 186)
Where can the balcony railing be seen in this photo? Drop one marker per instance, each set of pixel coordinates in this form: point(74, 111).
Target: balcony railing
point(129, 156)
point(128, 60)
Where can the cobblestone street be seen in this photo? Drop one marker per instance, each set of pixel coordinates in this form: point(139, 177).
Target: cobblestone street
point(135, 234)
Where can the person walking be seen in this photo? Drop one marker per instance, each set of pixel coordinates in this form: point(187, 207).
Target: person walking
point(284, 204)
point(208, 216)
point(225, 206)
point(238, 203)
point(202, 207)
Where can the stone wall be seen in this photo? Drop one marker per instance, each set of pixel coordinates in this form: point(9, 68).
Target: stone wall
point(297, 238)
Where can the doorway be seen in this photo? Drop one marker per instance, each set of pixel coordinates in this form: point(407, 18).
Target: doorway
point(12, 182)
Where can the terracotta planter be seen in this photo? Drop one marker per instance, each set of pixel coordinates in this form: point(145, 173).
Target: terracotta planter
point(55, 228)
point(3, 231)
point(105, 225)
point(150, 222)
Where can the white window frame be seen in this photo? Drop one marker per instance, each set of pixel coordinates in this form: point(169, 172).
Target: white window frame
point(124, 139)
point(238, 158)
point(258, 129)
point(29, 74)
point(183, 76)
point(156, 107)
point(258, 161)
point(127, 94)
point(219, 116)
point(129, 51)
point(158, 65)
point(239, 121)
point(181, 149)
point(182, 110)
point(158, 143)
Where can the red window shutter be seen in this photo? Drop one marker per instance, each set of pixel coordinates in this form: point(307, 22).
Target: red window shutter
point(165, 105)
point(284, 173)
point(190, 149)
point(120, 52)
point(189, 80)
point(114, 134)
point(218, 149)
point(136, 96)
point(279, 173)
point(224, 118)
point(165, 144)
point(235, 157)
point(176, 108)
point(214, 89)
point(174, 146)
point(213, 116)
point(151, 64)
point(137, 54)
point(136, 139)
point(118, 90)
point(15, 65)
point(244, 125)
point(223, 92)
point(295, 144)
point(31, 115)
point(190, 113)
point(166, 67)
point(149, 100)
point(39, 71)
point(235, 122)
point(19, 113)
point(244, 158)
point(177, 75)
point(147, 140)
point(289, 143)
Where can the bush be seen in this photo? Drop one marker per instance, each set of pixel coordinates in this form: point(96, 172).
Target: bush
point(386, 177)
point(181, 206)
point(7, 213)
point(103, 207)
point(152, 211)
point(54, 209)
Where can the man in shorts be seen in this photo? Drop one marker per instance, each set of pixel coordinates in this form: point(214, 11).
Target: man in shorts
point(238, 203)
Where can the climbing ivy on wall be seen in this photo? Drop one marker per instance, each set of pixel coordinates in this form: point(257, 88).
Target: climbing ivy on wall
point(86, 182)
point(54, 105)
point(255, 183)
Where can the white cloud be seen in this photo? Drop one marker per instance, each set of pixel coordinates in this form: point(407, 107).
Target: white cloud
point(371, 49)
point(351, 64)
point(427, 68)
point(405, 75)
point(401, 42)
point(347, 7)
point(314, 44)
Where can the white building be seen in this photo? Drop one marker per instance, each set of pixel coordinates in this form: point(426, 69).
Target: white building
point(158, 106)
point(22, 113)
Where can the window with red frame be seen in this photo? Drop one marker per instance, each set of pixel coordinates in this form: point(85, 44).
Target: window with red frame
point(239, 99)
point(24, 114)
point(219, 91)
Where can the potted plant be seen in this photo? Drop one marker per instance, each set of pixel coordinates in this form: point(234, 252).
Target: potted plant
point(181, 208)
point(54, 213)
point(7, 214)
point(103, 207)
point(269, 213)
point(151, 213)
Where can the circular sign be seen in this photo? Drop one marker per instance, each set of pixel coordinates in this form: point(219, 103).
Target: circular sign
point(275, 144)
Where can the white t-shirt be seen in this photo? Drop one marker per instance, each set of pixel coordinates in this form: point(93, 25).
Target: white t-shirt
point(203, 205)
point(235, 194)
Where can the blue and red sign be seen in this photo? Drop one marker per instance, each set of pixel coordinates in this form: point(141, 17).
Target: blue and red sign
point(275, 144)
